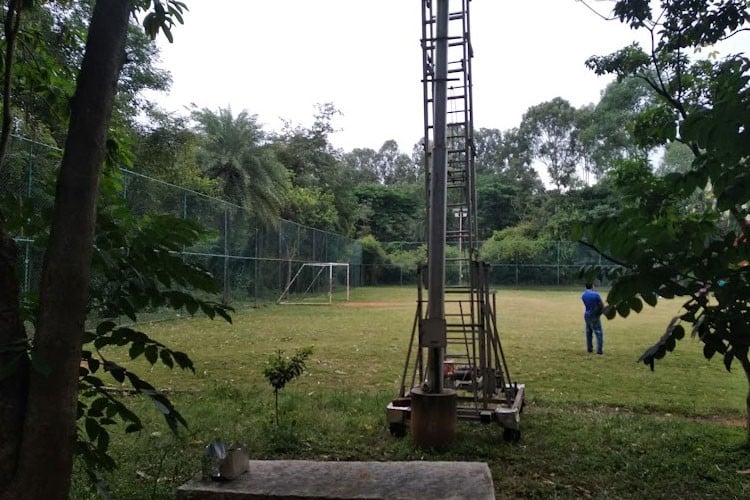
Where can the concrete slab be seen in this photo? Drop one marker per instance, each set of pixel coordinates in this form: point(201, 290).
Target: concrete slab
point(305, 479)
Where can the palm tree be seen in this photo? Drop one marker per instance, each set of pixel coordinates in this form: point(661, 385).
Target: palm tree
point(235, 153)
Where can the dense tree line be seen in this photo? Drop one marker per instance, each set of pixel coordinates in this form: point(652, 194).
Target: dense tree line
point(297, 174)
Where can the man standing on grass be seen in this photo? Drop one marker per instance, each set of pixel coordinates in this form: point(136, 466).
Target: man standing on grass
point(592, 317)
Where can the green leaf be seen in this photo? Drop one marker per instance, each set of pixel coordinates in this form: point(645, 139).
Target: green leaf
point(128, 309)
point(635, 304)
point(176, 300)
point(183, 361)
point(151, 354)
point(97, 407)
point(163, 408)
point(728, 357)
point(650, 298)
point(92, 428)
point(93, 364)
point(661, 351)
point(688, 317)
point(207, 310)
point(117, 372)
point(609, 312)
point(191, 306)
point(102, 443)
point(222, 311)
point(136, 349)
point(708, 351)
point(104, 327)
point(698, 328)
point(678, 332)
point(166, 358)
point(648, 354)
point(670, 344)
point(623, 309)
point(167, 33)
point(133, 427)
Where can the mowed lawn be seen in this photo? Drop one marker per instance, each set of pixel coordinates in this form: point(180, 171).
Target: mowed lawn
point(593, 426)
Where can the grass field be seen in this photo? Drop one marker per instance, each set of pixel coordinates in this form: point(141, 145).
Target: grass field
point(593, 426)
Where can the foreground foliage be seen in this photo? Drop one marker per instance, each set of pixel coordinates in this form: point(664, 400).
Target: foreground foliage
point(135, 269)
point(685, 234)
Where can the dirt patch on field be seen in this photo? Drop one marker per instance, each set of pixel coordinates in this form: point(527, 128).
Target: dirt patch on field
point(731, 422)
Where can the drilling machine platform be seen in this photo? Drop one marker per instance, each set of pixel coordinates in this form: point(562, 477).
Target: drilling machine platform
point(455, 347)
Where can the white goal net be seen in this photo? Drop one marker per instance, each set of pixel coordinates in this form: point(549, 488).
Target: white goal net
point(317, 283)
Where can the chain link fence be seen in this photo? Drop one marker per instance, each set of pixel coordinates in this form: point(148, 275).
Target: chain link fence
point(558, 264)
point(255, 263)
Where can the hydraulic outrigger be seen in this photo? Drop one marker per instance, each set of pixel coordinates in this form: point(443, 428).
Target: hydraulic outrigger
point(475, 365)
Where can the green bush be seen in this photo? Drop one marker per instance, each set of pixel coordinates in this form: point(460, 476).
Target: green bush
point(513, 244)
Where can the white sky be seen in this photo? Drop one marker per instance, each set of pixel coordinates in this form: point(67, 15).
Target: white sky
point(278, 58)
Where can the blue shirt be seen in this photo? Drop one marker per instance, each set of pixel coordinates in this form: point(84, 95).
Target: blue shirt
point(591, 300)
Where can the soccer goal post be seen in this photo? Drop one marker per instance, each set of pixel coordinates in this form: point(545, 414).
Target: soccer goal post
point(314, 283)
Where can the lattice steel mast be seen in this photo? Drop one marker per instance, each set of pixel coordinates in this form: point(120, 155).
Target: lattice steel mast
point(455, 328)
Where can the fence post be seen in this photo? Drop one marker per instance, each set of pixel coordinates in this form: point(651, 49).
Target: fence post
point(27, 250)
point(558, 263)
point(30, 176)
point(226, 255)
point(278, 252)
point(255, 261)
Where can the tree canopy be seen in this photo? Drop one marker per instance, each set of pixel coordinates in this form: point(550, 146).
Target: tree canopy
point(667, 244)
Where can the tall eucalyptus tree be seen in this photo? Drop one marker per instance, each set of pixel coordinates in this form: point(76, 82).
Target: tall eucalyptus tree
point(551, 130)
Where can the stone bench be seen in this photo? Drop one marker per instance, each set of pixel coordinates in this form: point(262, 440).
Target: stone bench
point(305, 479)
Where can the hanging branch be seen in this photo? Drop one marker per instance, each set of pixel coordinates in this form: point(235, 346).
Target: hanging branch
point(11, 26)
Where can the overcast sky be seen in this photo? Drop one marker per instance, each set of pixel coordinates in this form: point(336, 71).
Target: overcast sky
point(278, 58)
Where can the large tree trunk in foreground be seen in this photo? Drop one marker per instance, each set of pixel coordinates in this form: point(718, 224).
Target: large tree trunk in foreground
point(46, 452)
point(13, 388)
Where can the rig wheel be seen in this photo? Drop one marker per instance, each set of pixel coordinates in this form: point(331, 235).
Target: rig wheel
point(511, 435)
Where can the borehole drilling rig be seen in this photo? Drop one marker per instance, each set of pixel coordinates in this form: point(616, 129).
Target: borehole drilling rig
point(455, 366)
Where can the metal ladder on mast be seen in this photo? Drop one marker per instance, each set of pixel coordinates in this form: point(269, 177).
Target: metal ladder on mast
point(461, 226)
point(475, 364)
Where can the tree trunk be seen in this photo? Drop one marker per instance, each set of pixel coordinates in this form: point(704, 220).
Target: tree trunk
point(12, 388)
point(49, 431)
point(11, 27)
